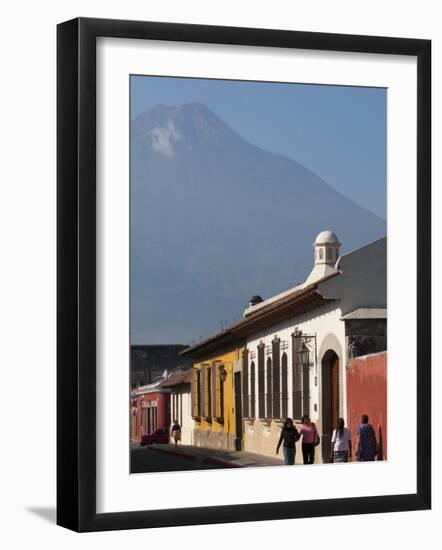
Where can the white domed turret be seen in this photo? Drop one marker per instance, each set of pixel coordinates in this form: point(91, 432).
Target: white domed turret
point(326, 237)
point(326, 255)
point(326, 248)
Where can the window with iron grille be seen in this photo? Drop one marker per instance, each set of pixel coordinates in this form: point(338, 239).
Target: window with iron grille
point(261, 381)
point(203, 393)
point(284, 386)
point(252, 389)
point(196, 393)
point(214, 389)
point(297, 378)
point(306, 389)
point(208, 399)
point(269, 379)
point(276, 405)
point(245, 383)
point(220, 395)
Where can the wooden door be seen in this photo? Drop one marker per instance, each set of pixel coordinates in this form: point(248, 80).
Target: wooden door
point(334, 384)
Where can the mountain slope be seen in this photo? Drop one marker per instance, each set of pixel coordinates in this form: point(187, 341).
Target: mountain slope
point(216, 219)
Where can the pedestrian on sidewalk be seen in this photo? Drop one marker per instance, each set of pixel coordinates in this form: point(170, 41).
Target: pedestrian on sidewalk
point(310, 439)
point(289, 436)
point(367, 444)
point(341, 443)
point(176, 432)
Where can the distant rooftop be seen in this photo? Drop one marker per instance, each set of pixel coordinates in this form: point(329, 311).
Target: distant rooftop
point(366, 313)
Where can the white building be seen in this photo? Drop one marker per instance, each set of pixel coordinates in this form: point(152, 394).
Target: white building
point(179, 384)
point(298, 343)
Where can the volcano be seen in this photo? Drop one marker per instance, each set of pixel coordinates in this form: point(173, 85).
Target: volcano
point(215, 220)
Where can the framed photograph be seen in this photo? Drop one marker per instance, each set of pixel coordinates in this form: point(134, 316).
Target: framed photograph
point(243, 274)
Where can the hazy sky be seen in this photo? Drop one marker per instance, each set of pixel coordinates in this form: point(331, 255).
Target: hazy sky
point(338, 132)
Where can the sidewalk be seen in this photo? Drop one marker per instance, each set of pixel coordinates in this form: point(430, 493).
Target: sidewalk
point(226, 459)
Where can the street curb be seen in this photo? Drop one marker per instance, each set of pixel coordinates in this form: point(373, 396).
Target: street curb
point(175, 453)
point(221, 462)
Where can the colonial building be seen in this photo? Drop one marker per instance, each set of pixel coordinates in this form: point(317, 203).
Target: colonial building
point(150, 408)
point(215, 392)
point(179, 384)
point(289, 355)
point(296, 363)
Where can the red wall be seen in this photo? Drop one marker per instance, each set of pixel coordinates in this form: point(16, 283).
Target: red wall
point(367, 394)
point(163, 412)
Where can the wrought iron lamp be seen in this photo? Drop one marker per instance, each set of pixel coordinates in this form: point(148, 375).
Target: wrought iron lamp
point(304, 355)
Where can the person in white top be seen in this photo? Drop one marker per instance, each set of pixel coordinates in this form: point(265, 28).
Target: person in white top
point(341, 443)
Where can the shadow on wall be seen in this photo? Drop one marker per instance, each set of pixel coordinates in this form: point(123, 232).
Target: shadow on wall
point(367, 394)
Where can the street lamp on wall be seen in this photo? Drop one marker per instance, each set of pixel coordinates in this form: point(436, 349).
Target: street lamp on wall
point(304, 355)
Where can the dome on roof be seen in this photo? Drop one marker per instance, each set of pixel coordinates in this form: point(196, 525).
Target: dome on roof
point(327, 237)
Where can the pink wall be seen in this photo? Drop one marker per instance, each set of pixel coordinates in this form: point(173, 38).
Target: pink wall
point(367, 394)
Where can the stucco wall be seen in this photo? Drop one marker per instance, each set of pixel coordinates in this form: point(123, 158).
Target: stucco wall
point(325, 324)
point(181, 411)
point(214, 433)
point(367, 394)
point(159, 400)
point(363, 282)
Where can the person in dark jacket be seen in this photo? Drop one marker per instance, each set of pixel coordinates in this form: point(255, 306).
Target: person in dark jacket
point(289, 436)
point(367, 444)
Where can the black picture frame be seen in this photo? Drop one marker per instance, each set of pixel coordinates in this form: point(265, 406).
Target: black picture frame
point(76, 274)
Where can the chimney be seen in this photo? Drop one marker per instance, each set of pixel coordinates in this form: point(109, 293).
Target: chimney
point(255, 300)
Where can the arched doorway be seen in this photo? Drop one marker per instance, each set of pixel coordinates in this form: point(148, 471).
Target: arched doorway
point(330, 399)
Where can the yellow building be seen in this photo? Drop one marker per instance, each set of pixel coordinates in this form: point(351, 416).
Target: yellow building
point(216, 393)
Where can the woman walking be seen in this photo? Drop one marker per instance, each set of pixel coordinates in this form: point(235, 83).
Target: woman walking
point(289, 436)
point(341, 443)
point(367, 445)
point(310, 439)
point(176, 432)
